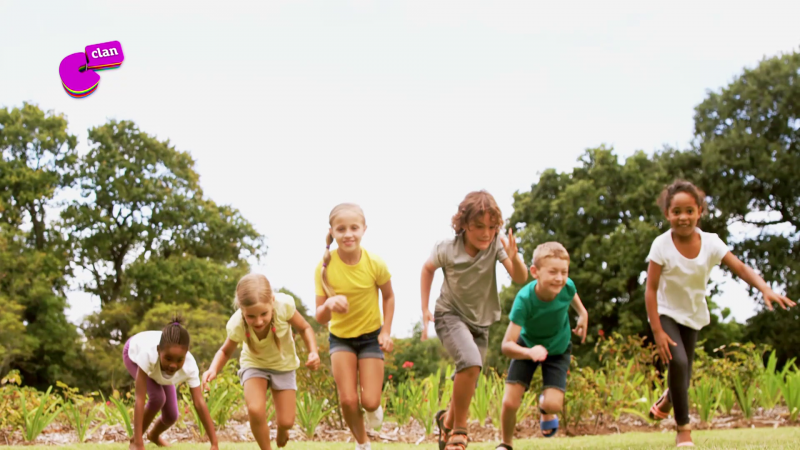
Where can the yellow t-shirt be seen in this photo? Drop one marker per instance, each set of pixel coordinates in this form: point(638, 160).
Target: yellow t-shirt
point(359, 283)
point(268, 356)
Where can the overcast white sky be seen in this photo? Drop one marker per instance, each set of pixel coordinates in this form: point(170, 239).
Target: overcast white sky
point(403, 107)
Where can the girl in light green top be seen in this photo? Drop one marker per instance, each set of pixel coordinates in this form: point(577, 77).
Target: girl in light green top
point(263, 322)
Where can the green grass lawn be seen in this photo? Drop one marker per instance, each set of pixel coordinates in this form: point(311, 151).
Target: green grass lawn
point(780, 438)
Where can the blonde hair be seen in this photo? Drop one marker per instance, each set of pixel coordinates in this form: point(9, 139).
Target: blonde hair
point(326, 257)
point(251, 290)
point(549, 250)
point(475, 205)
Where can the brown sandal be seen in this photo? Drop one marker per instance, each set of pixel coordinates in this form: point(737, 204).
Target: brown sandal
point(458, 440)
point(444, 432)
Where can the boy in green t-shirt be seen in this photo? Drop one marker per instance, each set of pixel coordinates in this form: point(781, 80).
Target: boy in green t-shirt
point(539, 334)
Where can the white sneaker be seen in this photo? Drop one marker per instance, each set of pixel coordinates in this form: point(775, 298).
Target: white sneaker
point(364, 446)
point(374, 419)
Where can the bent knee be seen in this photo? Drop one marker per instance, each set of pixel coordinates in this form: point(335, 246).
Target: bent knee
point(551, 406)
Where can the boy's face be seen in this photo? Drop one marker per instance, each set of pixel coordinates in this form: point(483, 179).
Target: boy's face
point(257, 316)
point(481, 232)
point(347, 229)
point(171, 358)
point(551, 274)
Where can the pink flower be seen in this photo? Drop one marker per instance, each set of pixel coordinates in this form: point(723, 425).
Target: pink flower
point(108, 403)
point(601, 333)
point(408, 365)
point(390, 377)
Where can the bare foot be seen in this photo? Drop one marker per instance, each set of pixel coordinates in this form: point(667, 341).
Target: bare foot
point(283, 437)
point(158, 440)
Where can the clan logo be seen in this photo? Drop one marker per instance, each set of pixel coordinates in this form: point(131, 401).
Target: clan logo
point(78, 71)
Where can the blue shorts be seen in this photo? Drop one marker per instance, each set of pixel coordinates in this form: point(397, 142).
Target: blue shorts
point(364, 346)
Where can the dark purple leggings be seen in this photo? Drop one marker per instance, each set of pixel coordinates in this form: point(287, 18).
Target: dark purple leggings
point(159, 396)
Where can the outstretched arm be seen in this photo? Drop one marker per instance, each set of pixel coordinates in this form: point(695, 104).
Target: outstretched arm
point(749, 275)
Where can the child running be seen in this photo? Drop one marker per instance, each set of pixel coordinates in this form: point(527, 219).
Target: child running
point(347, 283)
point(468, 303)
point(269, 359)
point(680, 265)
point(539, 334)
point(159, 361)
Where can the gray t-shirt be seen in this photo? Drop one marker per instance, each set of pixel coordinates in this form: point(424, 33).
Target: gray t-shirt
point(470, 284)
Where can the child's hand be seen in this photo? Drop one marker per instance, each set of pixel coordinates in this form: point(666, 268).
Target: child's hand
point(208, 376)
point(663, 341)
point(771, 296)
point(581, 328)
point(538, 353)
point(427, 316)
point(385, 341)
point(509, 243)
point(338, 304)
point(313, 361)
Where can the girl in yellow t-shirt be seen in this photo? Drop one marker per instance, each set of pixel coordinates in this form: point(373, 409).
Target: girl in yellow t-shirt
point(347, 284)
point(263, 322)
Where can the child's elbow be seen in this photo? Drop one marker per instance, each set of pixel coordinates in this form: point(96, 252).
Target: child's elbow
point(505, 350)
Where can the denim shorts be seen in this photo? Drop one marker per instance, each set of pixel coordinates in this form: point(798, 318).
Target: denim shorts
point(554, 370)
point(364, 346)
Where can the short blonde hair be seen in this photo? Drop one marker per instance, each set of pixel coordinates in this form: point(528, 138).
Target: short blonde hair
point(549, 250)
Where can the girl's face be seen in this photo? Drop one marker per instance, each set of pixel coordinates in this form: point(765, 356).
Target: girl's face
point(171, 358)
point(683, 214)
point(481, 232)
point(347, 229)
point(258, 316)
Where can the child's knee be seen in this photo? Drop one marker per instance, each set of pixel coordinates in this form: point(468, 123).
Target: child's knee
point(552, 406)
point(349, 402)
point(169, 416)
point(512, 397)
point(370, 404)
point(285, 422)
point(257, 412)
point(155, 401)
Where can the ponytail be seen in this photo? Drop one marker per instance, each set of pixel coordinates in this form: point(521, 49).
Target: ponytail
point(326, 259)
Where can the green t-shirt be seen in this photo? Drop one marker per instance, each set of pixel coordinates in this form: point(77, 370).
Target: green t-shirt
point(544, 323)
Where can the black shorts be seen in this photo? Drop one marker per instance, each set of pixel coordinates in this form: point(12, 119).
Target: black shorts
point(554, 370)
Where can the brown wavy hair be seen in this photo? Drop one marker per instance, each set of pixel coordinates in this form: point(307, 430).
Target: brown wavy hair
point(477, 204)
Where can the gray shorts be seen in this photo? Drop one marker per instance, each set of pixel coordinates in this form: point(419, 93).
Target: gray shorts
point(279, 381)
point(465, 343)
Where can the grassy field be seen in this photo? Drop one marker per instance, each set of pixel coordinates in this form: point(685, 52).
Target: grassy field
point(780, 438)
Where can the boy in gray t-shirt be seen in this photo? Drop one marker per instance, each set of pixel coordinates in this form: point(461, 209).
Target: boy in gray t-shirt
point(468, 303)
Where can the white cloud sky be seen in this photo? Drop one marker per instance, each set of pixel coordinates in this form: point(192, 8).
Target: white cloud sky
point(403, 107)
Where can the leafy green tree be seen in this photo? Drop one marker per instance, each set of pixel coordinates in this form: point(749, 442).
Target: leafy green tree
point(748, 142)
point(145, 232)
point(38, 157)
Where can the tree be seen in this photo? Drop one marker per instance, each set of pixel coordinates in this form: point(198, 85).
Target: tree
point(146, 233)
point(748, 142)
point(38, 157)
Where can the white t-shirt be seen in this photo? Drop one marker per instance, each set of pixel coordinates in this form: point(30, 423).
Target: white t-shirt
point(684, 282)
point(143, 351)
